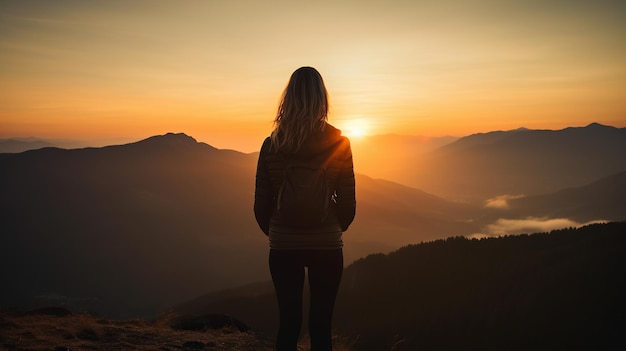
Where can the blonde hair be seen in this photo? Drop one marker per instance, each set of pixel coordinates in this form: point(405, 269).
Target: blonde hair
point(303, 110)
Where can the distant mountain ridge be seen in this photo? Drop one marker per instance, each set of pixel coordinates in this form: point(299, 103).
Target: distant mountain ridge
point(516, 162)
point(21, 145)
point(131, 229)
point(603, 198)
point(17, 145)
point(533, 162)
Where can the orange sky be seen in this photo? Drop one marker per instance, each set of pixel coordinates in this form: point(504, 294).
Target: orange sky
point(126, 70)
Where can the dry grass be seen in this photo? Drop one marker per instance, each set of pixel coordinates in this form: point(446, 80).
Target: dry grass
point(45, 331)
point(88, 332)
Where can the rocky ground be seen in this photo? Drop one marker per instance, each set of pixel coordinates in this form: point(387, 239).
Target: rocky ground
point(60, 330)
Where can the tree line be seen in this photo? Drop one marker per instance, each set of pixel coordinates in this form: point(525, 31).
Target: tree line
point(559, 290)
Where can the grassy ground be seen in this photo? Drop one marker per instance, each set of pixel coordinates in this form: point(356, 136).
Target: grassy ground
point(41, 331)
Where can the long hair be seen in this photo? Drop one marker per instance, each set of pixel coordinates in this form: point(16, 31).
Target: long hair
point(303, 110)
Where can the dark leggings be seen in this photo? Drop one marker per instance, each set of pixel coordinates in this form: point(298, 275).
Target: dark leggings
point(324, 270)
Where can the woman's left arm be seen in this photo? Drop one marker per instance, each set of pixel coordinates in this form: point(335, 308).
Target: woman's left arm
point(263, 194)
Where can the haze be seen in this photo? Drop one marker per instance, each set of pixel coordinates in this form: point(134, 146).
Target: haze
point(102, 71)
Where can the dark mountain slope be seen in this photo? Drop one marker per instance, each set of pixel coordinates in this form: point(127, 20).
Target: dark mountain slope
point(390, 215)
point(125, 229)
point(560, 290)
point(131, 229)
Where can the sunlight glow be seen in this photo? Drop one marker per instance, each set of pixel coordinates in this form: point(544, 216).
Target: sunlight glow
point(210, 68)
point(355, 128)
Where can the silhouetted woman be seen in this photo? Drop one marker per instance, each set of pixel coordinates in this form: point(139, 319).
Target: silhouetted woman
point(301, 133)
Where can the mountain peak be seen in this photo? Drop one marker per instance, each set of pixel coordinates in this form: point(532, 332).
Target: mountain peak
point(179, 138)
point(596, 125)
point(172, 141)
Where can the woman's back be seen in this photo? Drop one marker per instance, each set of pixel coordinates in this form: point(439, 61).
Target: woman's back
point(300, 238)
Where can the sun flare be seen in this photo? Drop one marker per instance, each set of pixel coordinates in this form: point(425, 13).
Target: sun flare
point(355, 128)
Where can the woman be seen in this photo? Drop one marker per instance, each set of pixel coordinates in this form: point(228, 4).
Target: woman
point(301, 133)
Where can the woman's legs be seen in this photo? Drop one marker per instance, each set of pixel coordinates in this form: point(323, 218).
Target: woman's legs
point(288, 277)
point(325, 270)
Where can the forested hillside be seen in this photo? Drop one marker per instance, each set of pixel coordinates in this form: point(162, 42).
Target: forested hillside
point(562, 290)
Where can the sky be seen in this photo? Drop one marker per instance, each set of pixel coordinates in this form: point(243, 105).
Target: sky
point(108, 71)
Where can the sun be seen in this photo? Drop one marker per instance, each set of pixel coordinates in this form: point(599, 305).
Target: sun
point(355, 128)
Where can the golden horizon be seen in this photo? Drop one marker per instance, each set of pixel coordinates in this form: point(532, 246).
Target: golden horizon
point(215, 70)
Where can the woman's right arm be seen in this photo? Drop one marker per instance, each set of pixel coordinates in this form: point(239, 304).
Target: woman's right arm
point(346, 198)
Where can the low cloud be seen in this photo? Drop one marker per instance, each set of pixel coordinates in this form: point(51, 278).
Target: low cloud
point(528, 225)
point(501, 201)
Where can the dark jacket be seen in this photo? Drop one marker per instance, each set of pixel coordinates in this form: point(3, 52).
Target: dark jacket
point(329, 144)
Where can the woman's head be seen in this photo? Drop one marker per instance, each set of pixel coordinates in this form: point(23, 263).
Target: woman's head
point(303, 109)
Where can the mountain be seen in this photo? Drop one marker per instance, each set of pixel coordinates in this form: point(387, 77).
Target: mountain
point(602, 199)
point(21, 145)
point(564, 289)
point(131, 229)
point(390, 215)
point(391, 156)
point(16, 145)
point(516, 162)
point(559, 290)
point(125, 230)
